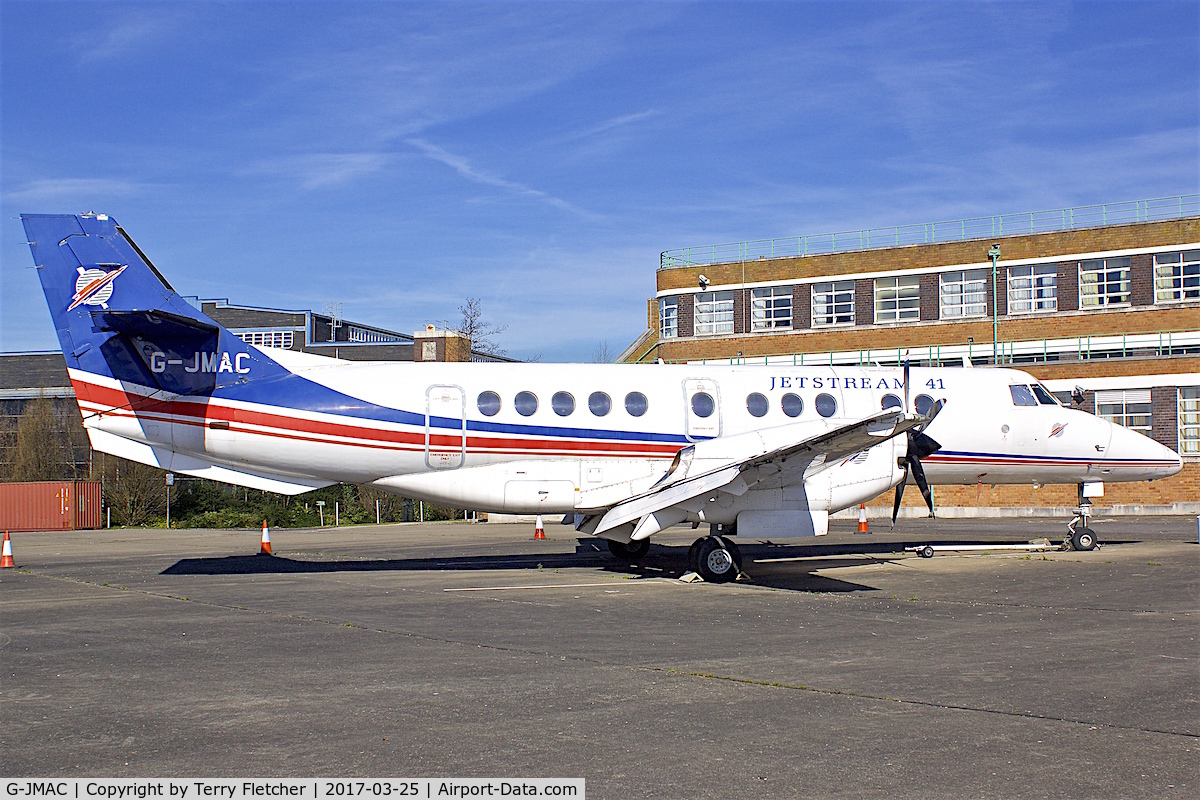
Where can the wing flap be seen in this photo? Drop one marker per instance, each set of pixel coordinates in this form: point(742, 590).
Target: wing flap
point(785, 461)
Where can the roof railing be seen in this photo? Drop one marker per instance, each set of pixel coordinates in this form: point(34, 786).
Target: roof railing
point(962, 230)
point(1161, 344)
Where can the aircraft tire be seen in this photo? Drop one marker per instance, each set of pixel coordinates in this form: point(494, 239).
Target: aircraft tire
point(694, 554)
point(716, 564)
point(732, 547)
point(633, 551)
point(926, 551)
point(1083, 539)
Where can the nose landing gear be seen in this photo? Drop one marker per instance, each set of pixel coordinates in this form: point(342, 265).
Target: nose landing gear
point(1081, 536)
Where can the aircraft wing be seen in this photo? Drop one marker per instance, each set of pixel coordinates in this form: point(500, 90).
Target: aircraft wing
point(764, 456)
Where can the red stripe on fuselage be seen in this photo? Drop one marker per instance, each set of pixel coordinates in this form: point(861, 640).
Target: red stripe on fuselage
point(119, 402)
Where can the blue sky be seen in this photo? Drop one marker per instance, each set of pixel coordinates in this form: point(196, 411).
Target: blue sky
point(401, 157)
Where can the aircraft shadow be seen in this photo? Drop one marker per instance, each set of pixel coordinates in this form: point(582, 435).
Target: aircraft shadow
point(663, 561)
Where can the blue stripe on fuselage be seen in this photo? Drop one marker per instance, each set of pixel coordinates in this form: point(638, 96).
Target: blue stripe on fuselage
point(297, 393)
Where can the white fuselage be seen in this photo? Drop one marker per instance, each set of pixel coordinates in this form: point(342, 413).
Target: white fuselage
point(429, 430)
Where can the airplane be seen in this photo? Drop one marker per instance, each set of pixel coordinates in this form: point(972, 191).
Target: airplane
point(623, 451)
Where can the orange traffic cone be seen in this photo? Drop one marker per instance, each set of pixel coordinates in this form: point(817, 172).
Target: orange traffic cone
point(538, 531)
point(862, 518)
point(6, 559)
point(264, 548)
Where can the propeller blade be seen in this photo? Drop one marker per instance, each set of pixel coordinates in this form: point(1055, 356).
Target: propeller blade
point(899, 495)
point(918, 474)
point(921, 445)
point(907, 407)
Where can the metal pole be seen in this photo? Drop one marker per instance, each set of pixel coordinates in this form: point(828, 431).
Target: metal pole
point(994, 254)
point(376, 512)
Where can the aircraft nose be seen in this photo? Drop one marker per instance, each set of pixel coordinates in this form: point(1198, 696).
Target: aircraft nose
point(1139, 457)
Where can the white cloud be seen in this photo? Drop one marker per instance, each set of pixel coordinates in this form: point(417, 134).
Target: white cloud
point(323, 170)
point(136, 30)
point(464, 168)
point(65, 189)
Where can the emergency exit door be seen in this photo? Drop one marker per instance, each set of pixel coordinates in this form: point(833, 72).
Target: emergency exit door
point(445, 427)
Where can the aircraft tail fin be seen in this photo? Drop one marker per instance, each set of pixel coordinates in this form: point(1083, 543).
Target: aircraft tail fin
point(117, 316)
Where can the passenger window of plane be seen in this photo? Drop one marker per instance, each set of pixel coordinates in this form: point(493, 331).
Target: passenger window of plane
point(525, 403)
point(825, 404)
point(563, 404)
point(599, 403)
point(1043, 395)
point(791, 404)
point(1022, 396)
point(922, 404)
point(703, 405)
point(757, 405)
point(891, 401)
point(489, 404)
point(635, 404)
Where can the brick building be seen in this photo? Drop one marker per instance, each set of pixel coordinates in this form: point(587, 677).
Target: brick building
point(1104, 298)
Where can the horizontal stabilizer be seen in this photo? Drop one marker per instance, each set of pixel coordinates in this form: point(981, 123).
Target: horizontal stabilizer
point(157, 324)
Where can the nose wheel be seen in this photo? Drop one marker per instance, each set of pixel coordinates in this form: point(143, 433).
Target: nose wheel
point(1082, 537)
point(715, 558)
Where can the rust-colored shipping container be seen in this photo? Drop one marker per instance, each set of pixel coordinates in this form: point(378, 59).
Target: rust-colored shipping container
point(50, 506)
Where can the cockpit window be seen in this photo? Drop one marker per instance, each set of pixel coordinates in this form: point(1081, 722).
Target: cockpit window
point(1022, 396)
point(1043, 395)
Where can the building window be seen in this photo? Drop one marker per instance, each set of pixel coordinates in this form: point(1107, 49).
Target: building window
point(898, 299)
point(1177, 276)
point(714, 313)
point(1189, 421)
point(963, 293)
point(1033, 288)
point(1104, 282)
point(281, 339)
point(1129, 407)
point(357, 334)
point(771, 308)
point(832, 303)
point(668, 317)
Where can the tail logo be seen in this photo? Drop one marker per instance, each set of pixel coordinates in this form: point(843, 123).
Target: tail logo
point(93, 287)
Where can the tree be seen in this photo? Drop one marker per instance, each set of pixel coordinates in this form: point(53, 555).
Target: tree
point(136, 492)
point(37, 448)
point(479, 332)
point(602, 355)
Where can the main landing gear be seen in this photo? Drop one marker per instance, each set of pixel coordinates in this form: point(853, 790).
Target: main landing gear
point(629, 551)
point(715, 558)
point(1082, 537)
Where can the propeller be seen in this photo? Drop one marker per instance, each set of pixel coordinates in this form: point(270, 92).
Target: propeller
point(920, 445)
